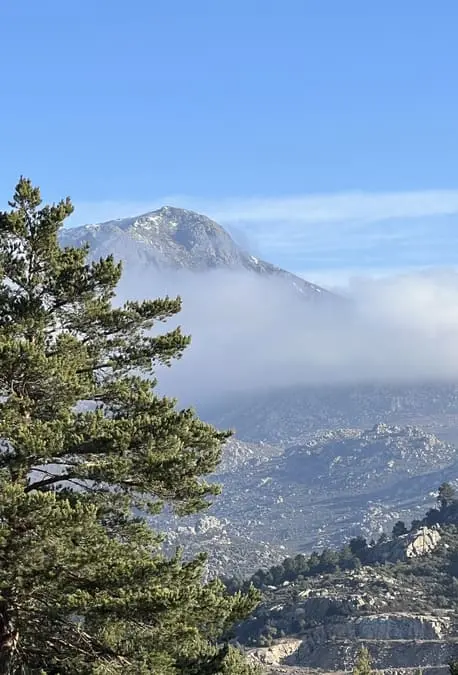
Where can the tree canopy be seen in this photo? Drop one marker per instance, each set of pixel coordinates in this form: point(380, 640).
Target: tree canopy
point(90, 454)
point(363, 664)
point(446, 495)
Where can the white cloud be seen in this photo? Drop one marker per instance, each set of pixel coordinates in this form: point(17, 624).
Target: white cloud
point(312, 209)
point(247, 332)
point(403, 326)
point(331, 208)
point(343, 279)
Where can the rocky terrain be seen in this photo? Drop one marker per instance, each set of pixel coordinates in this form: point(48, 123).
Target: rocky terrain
point(283, 415)
point(403, 611)
point(178, 239)
point(317, 493)
point(301, 473)
point(309, 469)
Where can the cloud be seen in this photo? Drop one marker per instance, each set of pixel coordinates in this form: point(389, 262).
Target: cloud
point(341, 207)
point(341, 279)
point(253, 333)
point(361, 207)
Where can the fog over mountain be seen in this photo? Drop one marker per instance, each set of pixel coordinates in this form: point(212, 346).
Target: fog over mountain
point(248, 333)
point(249, 330)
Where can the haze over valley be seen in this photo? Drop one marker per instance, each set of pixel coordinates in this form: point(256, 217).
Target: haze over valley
point(229, 358)
point(284, 362)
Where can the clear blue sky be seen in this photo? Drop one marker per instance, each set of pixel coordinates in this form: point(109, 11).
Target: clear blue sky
point(122, 104)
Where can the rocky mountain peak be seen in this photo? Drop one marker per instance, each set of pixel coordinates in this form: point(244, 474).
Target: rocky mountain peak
point(178, 239)
point(184, 231)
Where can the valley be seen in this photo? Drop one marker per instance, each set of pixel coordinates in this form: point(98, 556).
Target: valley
point(310, 468)
point(229, 338)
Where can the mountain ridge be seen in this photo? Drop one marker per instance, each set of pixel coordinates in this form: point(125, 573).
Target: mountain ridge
point(171, 238)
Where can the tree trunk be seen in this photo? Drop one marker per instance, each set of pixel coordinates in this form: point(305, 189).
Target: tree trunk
point(8, 640)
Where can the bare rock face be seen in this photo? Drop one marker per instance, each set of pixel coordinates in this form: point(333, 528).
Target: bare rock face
point(394, 642)
point(277, 653)
point(386, 655)
point(178, 239)
point(332, 616)
point(422, 542)
point(378, 627)
point(411, 545)
point(399, 627)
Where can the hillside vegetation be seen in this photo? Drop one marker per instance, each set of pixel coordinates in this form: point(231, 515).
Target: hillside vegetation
point(397, 596)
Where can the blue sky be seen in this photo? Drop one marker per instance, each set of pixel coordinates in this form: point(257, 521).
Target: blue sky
point(325, 132)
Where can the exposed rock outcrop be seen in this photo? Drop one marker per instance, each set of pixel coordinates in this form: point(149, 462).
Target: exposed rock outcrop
point(412, 545)
point(177, 239)
point(396, 613)
point(276, 653)
point(339, 655)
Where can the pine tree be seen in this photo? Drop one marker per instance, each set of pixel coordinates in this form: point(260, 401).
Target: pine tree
point(446, 495)
point(90, 454)
point(363, 665)
point(399, 529)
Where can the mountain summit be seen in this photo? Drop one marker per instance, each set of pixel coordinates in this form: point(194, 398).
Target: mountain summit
point(173, 238)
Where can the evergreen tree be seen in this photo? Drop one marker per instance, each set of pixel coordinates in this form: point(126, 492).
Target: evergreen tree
point(329, 560)
point(363, 665)
point(358, 546)
point(399, 529)
point(88, 447)
point(446, 495)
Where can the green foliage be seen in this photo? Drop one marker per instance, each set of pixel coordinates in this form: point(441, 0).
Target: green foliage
point(84, 587)
point(399, 529)
point(363, 665)
point(447, 500)
point(358, 546)
point(446, 495)
point(453, 667)
point(434, 576)
point(300, 567)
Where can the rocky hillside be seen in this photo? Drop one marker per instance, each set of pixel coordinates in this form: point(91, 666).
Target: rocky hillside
point(342, 461)
point(333, 485)
point(284, 415)
point(178, 239)
point(403, 611)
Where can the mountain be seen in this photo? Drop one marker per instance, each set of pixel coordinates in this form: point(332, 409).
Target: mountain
point(316, 493)
point(284, 414)
point(177, 239)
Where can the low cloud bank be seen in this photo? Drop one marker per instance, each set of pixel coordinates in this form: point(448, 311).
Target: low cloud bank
point(250, 332)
